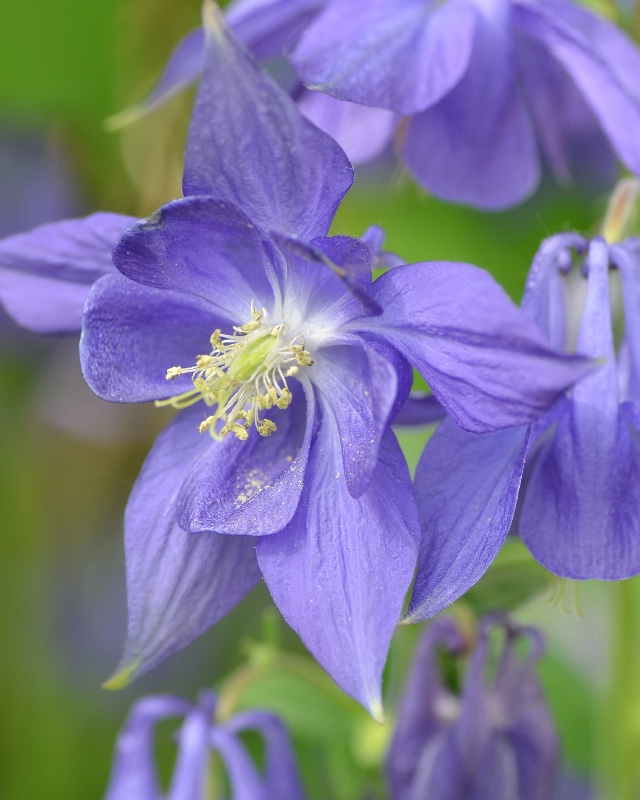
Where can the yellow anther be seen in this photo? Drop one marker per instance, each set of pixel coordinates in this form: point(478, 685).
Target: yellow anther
point(240, 431)
point(292, 371)
point(203, 361)
point(173, 372)
point(304, 359)
point(266, 427)
point(206, 424)
point(285, 399)
point(215, 339)
point(248, 327)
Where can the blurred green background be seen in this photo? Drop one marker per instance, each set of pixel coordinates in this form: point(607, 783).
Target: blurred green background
point(69, 461)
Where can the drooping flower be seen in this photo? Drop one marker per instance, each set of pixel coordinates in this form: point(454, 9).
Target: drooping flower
point(270, 29)
point(492, 740)
point(134, 775)
point(579, 506)
point(292, 363)
point(489, 90)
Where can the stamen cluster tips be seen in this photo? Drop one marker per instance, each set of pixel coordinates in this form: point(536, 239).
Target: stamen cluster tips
point(245, 373)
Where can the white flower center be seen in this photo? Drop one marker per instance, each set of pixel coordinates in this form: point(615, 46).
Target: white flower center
point(245, 373)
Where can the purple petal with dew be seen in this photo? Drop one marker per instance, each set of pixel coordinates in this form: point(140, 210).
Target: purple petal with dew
point(357, 386)
point(133, 334)
point(361, 131)
point(184, 67)
point(178, 584)
point(477, 146)
point(466, 489)
point(46, 274)
point(133, 773)
point(250, 487)
point(373, 53)
point(487, 364)
point(203, 247)
point(616, 107)
point(270, 27)
point(582, 504)
point(245, 781)
point(340, 570)
point(191, 771)
point(281, 773)
point(418, 719)
point(420, 409)
point(284, 173)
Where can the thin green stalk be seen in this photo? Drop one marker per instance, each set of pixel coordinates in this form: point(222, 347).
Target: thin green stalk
point(621, 730)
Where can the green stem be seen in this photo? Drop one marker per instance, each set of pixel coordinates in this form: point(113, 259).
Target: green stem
point(300, 666)
point(621, 731)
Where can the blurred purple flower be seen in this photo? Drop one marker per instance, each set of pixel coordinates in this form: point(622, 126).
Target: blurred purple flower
point(579, 509)
point(134, 775)
point(242, 264)
point(487, 88)
point(270, 29)
point(494, 741)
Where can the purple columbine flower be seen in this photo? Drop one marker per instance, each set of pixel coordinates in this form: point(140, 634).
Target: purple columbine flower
point(579, 506)
point(270, 29)
point(489, 88)
point(493, 740)
point(288, 364)
point(134, 775)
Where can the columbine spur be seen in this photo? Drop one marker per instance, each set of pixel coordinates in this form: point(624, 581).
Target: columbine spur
point(233, 305)
point(135, 777)
point(576, 503)
point(488, 89)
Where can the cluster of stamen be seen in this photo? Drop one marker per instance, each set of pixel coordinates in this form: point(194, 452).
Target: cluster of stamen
point(244, 374)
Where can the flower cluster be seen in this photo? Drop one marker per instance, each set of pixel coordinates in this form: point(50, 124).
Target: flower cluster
point(287, 364)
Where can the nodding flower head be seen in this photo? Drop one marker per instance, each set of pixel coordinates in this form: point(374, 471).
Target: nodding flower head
point(491, 736)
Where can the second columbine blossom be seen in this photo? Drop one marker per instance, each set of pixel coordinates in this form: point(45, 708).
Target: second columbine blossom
point(578, 510)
